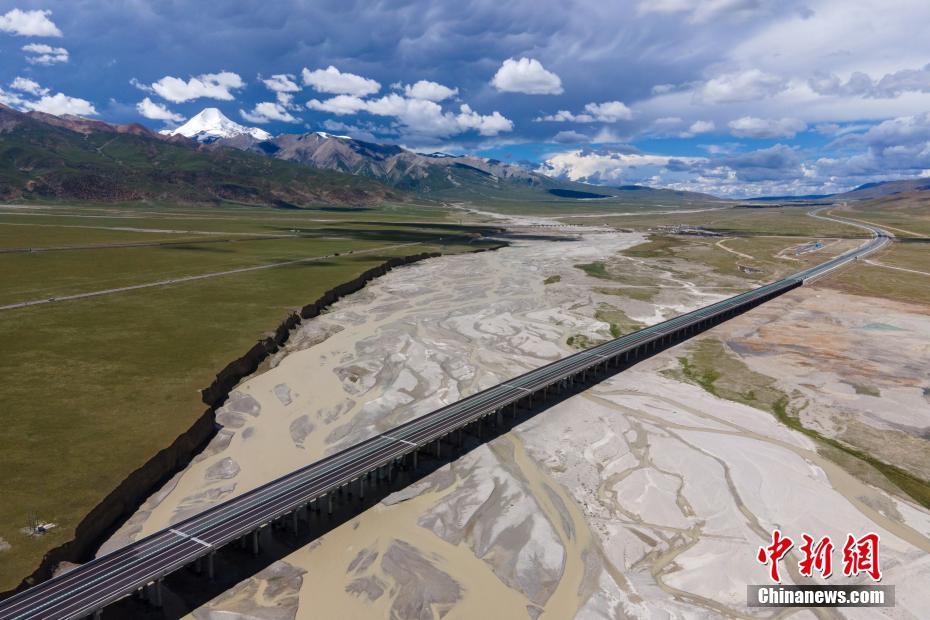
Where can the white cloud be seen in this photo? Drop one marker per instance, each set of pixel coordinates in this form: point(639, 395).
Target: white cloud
point(331, 80)
point(340, 104)
point(726, 148)
point(268, 111)
point(14, 100)
point(740, 86)
point(835, 129)
point(60, 104)
point(701, 127)
point(890, 85)
point(42, 54)
point(29, 23)
point(607, 112)
point(752, 127)
point(209, 85)
point(486, 125)
point(675, 126)
point(157, 111)
point(431, 91)
point(570, 137)
point(28, 86)
point(528, 76)
point(420, 117)
point(284, 86)
point(607, 136)
point(607, 166)
point(281, 83)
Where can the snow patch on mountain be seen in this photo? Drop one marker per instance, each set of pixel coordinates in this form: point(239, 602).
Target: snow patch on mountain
point(323, 134)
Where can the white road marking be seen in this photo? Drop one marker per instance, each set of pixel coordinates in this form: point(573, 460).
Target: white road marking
point(194, 538)
point(409, 443)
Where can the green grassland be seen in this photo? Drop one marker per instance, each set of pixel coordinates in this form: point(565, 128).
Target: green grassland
point(789, 221)
point(874, 280)
point(92, 388)
point(758, 256)
point(905, 214)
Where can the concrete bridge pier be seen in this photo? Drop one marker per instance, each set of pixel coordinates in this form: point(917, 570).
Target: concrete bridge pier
point(255, 546)
point(153, 593)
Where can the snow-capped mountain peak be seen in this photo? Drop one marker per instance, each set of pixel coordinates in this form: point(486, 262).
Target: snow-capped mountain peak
point(211, 124)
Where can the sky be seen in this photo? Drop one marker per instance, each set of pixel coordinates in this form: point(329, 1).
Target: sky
point(732, 97)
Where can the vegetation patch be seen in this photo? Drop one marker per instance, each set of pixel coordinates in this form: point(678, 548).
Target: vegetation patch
point(866, 390)
point(597, 269)
point(658, 246)
point(871, 280)
point(581, 341)
point(619, 322)
point(639, 293)
point(552, 279)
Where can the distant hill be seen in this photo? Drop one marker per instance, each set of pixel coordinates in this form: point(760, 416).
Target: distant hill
point(45, 157)
point(788, 198)
point(644, 192)
point(866, 191)
point(870, 191)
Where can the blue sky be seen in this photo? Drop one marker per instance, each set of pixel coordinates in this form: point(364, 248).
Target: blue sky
point(733, 97)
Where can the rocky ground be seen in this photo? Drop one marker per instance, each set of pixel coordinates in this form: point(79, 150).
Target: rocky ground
point(646, 496)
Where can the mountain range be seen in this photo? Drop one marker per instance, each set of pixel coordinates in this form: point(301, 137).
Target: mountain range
point(436, 175)
point(212, 158)
point(45, 157)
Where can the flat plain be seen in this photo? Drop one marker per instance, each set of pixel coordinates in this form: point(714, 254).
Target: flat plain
point(94, 387)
